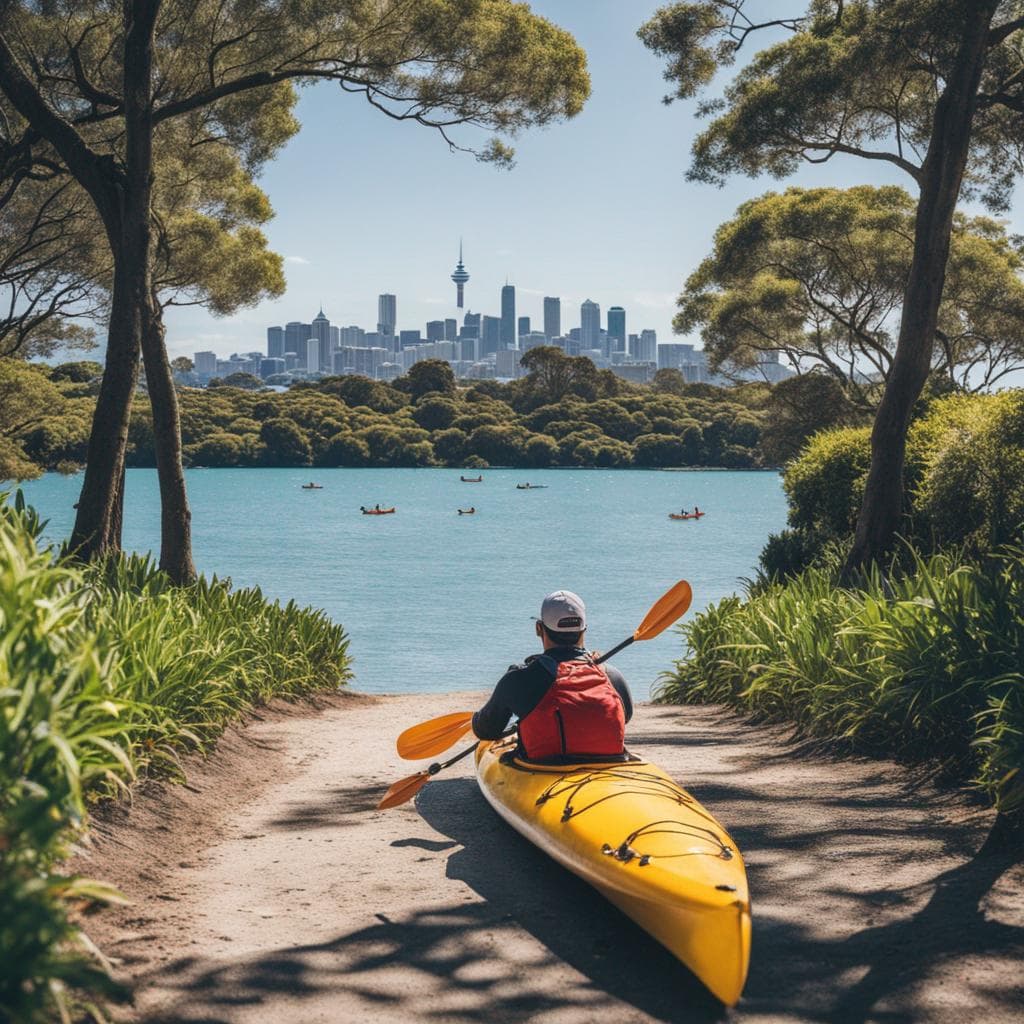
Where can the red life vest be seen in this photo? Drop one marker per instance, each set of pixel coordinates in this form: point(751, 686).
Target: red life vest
point(580, 714)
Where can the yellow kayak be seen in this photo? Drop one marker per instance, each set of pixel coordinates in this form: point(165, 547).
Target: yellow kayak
point(644, 843)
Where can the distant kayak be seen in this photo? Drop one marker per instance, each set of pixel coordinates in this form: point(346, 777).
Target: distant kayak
point(377, 511)
point(531, 487)
point(312, 487)
point(467, 511)
point(472, 479)
point(688, 515)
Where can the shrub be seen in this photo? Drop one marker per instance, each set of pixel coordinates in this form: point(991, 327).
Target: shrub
point(926, 665)
point(971, 487)
point(659, 450)
point(826, 484)
point(109, 672)
point(964, 476)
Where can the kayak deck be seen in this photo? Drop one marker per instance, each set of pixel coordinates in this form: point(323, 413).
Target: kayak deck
point(645, 843)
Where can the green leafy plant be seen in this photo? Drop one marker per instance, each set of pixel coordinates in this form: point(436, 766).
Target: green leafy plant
point(925, 665)
point(108, 673)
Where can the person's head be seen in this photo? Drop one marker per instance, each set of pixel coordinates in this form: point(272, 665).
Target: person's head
point(563, 620)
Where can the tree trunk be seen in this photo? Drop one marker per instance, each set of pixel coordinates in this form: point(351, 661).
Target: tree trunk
point(94, 534)
point(123, 199)
point(942, 174)
point(175, 516)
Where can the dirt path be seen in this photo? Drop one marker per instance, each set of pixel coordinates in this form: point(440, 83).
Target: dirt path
point(271, 890)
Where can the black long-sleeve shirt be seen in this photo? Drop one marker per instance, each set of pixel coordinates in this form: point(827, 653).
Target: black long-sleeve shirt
point(521, 688)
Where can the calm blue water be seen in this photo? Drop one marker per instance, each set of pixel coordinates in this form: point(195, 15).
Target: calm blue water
point(437, 601)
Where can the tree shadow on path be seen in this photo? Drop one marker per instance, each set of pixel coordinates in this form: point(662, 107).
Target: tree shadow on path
point(523, 885)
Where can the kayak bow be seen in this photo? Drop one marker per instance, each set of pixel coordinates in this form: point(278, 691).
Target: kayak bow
point(644, 843)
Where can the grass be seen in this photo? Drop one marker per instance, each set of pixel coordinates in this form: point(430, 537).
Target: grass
point(108, 673)
point(927, 666)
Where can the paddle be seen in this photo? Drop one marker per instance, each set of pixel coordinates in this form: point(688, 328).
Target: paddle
point(434, 737)
point(670, 607)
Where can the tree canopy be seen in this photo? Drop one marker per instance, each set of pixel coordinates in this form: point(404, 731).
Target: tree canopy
point(819, 274)
point(162, 112)
point(932, 87)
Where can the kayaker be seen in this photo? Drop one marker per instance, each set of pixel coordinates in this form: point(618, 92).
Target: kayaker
point(568, 707)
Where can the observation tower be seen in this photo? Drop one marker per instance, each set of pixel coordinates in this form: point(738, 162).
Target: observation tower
point(460, 277)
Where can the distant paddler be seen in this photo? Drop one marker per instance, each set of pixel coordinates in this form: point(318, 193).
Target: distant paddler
point(467, 511)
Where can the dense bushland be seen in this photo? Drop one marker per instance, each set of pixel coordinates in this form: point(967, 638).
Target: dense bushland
point(107, 673)
point(925, 662)
point(926, 665)
point(964, 473)
point(592, 419)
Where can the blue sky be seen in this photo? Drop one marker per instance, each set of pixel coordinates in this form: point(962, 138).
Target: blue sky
point(595, 208)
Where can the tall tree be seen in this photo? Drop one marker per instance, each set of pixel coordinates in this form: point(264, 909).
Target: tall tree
point(932, 87)
point(97, 89)
point(819, 275)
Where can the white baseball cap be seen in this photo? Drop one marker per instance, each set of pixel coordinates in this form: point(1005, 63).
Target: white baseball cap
point(564, 612)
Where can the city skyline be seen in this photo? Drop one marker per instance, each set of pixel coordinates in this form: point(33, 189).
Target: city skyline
point(549, 312)
point(600, 204)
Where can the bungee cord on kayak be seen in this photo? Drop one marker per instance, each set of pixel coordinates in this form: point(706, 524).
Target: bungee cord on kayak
point(570, 743)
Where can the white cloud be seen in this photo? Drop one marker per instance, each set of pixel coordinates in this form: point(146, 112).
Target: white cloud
point(654, 300)
point(301, 260)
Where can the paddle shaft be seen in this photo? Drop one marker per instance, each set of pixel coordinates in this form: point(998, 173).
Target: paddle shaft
point(615, 650)
point(440, 765)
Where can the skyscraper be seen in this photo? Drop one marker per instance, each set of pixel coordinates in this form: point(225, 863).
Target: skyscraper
point(435, 330)
point(508, 316)
point(647, 347)
point(387, 313)
point(460, 277)
point(490, 335)
point(471, 325)
point(275, 342)
point(295, 337)
point(321, 330)
point(523, 326)
point(590, 325)
point(552, 317)
point(205, 363)
point(616, 330)
point(313, 355)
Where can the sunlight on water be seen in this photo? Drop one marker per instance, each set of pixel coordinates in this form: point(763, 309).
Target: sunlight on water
point(435, 601)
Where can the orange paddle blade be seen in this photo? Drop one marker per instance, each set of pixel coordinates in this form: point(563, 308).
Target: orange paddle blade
point(670, 607)
point(434, 737)
point(403, 790)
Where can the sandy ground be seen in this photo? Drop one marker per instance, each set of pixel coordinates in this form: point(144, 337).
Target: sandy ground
point(269, 889)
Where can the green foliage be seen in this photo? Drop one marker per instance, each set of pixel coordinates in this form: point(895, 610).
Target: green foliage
point(971, 484)
point(859, 78)
point(427, 376)
point(355, 421)
point(43, 421)
point(105, 674)
point(925, 666)
point(246, 381)
point(825, 484)
point(798, 408)
point(285, 443)
point(820, 274)
point(964, 472)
